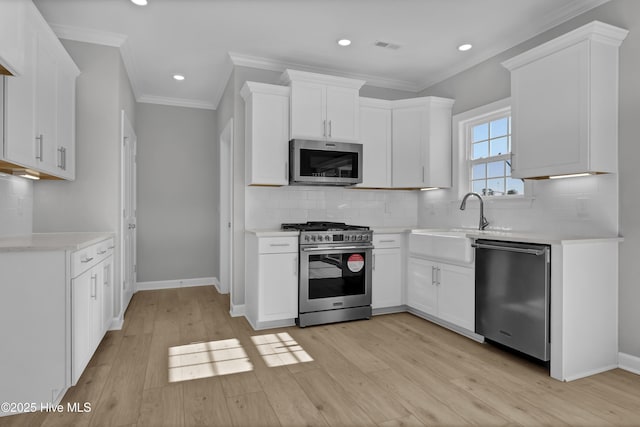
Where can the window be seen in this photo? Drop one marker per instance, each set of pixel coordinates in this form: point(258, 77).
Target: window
point(489, 154)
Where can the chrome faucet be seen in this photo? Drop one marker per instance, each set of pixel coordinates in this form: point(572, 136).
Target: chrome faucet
point(483, 221)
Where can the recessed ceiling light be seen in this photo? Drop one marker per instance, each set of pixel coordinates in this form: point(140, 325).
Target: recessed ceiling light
point(139, 2)
point(178, 77)
point(344, 42)
point(464, 47)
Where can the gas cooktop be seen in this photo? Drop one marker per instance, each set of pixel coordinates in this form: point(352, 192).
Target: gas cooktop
point(323, 226)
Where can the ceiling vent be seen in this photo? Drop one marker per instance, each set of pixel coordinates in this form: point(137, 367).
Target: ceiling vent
point(387, 45)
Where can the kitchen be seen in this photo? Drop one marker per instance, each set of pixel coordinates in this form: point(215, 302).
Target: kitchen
point(576, 205)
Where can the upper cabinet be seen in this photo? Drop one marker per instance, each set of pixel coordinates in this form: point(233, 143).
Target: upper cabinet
point(12, 33)
point(375, 137)
point(40, 105)
point(565, 104)
point(324, 107)
point(421, 142)
point(266, 133)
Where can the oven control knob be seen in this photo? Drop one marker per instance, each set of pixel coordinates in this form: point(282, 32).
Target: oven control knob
point(346, 238)
point(306, 238)
point(313, 238)
point(327, 238)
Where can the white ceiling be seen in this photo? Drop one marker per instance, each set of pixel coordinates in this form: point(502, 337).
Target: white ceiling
point(202, 38)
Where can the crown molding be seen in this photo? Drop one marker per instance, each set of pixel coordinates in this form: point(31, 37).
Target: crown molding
point(273, 65)
point(105, 38)
point(176, 102)
point(551, 20)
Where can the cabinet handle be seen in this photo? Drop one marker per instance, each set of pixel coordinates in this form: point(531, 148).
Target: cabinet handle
point(373, 264)
point(111, 247)
point(295, 266)
point(94, 285)
point(275, 245)
point(388, 241)
point(433, 274)
point(105, 273)
point(39, 147)
point(64, 159)
point(87, 259)
point(329, 128)
point(102, 252)
point(438, 277)
point(60, 157)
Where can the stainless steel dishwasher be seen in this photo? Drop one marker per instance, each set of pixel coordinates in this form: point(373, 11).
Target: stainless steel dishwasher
point(512, 295)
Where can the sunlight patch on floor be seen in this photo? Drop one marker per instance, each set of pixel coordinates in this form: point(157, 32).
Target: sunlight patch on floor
point(207, 359)
point(280, 349)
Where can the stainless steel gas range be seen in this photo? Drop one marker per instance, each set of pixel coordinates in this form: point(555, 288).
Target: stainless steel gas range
point(335, 272)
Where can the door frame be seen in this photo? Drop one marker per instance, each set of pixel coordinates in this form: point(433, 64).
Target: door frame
point(225, 209)
point(126, 130)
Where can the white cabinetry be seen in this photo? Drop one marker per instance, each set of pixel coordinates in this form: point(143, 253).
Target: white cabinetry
point(421, 142)
point(565, 104)
point(323, 107)
point(91, 296)
point(444, 291)
point(271, 294)
point(375, 136)
point(387, 271)
point(12, 33)
point(40, 105)
point(266, 133)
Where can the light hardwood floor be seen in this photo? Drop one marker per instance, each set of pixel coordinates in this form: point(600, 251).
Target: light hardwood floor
point(392, 370)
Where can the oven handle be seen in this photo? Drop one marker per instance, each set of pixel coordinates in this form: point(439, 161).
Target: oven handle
point(335, 248)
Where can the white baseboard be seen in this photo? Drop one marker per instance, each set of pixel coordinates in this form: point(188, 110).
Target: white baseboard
point(629, 363)
point(181, 283)
point(237, 310)
point(116, 324)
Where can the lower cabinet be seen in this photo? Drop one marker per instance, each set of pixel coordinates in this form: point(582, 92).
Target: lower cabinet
point(92, 303)
point(444, 291)
point(386, 280)
point(271, 281)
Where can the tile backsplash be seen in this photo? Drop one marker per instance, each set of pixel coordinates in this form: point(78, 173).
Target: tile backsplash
point(267, 207)
point(16, 206)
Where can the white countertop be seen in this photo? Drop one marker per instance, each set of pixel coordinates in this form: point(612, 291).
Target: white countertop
point(527, 237)
point(273, 233)
point(52, 241)
point(391, 230)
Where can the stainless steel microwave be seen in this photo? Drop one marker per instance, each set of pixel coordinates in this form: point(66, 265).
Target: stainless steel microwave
point(324, 163)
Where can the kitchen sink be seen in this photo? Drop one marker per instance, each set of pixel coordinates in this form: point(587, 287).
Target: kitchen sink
point(445, 245)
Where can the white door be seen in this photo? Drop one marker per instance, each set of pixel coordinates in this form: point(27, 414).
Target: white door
point(456, 295)
point(226, 208)
point(129, 222)
point(343, 114)
point(422, 292)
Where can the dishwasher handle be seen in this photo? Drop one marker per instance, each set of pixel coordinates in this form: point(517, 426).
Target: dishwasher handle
point(536, 252)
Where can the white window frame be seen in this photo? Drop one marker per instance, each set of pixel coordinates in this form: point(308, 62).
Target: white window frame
point(463, 124)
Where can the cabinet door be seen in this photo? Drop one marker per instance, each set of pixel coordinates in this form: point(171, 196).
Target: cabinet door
point(308, 111)
point(407, 167)
point(550, 114)
point(343, 114)
point(267, 139)
point(107, 294)
point(12, 33)
point(278, 277)
point(46, 98)
point(20, 142)
point(82, 328)
point(456, 295)
point(422, 292)
point(65, 150)
point(386, 278)
point(375, 136)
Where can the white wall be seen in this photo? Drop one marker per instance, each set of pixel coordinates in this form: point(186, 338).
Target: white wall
point(556, 203)
point(177, 233)
point(268, 208)
point(16, 205)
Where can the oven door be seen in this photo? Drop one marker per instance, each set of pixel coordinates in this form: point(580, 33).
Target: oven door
point(334, 277)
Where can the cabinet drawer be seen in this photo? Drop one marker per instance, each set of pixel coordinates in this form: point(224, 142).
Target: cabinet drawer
point(387, 240)
point(275, 245)
point(86, 258)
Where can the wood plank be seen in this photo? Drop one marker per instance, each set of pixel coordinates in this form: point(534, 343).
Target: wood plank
point(335, 404)
point(162, 407)
point(408, 421)
point(251, 409)
point(205, 403)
